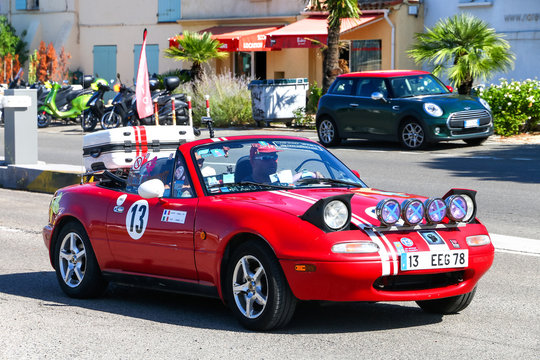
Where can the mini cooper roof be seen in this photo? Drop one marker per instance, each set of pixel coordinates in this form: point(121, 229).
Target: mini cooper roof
point(384, 73)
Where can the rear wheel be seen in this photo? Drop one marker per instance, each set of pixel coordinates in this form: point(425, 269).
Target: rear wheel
point(77, 269)
point(328, 132)
point(475, 142)
point(110, 120)
point(43, 119)
point(256, 289)
point(412, 135)
point(450, 305)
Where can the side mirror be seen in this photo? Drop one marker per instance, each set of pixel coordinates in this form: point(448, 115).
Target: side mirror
point(378, 96)
point(150, 189)
point(356, 173)
point(450, 88)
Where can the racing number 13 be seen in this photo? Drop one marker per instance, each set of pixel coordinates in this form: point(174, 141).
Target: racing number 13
point(137, 219)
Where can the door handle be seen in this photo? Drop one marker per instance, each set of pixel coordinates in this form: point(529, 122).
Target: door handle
point(395, 107)
point(353, 105)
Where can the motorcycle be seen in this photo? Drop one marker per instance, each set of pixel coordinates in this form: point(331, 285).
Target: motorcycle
point(96, 107)
point(118, 114)
point(62, 102)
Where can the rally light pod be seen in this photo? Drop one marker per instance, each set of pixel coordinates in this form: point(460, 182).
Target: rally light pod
point(456, 207)
point(412, 211)
point(435, 210)
point(330, 214)
point(388, 211)
point(470, 198)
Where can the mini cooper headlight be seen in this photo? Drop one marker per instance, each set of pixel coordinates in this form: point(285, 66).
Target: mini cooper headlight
point(484, 103)
point(433, 109)
point(412, 211)
point(457, 207)
point(435, 210)
point(336, 214)
point(388, 211)
point(357, 247)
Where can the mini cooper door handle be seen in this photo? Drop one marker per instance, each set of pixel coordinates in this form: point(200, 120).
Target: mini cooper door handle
point(353, 105)
point(395, 107)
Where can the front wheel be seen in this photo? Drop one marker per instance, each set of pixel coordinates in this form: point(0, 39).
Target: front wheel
point(328, 132)
point(450, 305)
point(256, 289)
point(77, 269)
point(110, 120)
point(412, 135)
point(43, 119)
point(88, 121)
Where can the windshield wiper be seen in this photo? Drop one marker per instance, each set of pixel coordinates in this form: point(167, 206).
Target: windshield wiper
point(269, 186)
point(327, 181)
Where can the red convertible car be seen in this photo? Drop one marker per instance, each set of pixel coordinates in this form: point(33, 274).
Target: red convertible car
point(262, 223)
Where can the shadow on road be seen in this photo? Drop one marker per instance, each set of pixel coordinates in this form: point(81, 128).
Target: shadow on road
point(185, 310)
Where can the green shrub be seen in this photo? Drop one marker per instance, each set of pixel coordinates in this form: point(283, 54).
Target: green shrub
point(314, 94)
point(515, 105)
point(230, 99)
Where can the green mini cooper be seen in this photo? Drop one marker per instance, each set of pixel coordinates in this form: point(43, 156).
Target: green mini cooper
point(412, 107)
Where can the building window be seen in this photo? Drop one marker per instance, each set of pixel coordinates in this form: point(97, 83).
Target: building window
point(152, 59)
point(169, 10)
point(26, 4)
point(243, 64)
point(365, 55)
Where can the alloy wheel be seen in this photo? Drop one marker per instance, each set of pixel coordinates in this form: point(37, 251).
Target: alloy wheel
point(327, 131)
point(72, 260)
point(250, 286)
point(412, 135)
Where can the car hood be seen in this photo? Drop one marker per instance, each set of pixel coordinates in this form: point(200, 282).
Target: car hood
point(297, 202)
point(452, 102)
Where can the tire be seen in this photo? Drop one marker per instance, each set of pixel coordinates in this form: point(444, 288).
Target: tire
point(446, 306)
point(412, 135)
point(77, 270)
point(110, 120)
point(328, 132)
point(256, 289)
point(43, 119)
point(475, 142)
point(88, 121)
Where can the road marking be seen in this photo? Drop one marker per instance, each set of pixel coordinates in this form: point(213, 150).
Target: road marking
point(514, 244)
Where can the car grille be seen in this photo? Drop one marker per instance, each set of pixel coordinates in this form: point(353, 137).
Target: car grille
point(418, 282)
point(457, 120)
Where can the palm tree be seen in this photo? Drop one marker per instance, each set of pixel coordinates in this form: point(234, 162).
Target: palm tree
point(465, 48)
point(196, 48)
point(337, 10)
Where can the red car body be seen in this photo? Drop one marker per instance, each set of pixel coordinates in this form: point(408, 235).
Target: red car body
point(195, 253)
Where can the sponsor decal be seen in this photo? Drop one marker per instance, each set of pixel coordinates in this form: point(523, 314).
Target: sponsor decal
point(432, 237)
point(406, 242)
point(455, 243)
point(174, 216)
point(399, 248)
point(55, 203)
point(118, 209)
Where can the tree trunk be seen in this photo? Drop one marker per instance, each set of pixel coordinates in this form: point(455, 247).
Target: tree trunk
point(466, 86)
point(331, 60)
point(197, 71)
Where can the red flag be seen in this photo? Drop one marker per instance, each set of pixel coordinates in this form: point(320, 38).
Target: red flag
point(142, 89)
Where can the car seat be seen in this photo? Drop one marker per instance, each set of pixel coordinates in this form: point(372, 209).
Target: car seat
point(243, 169)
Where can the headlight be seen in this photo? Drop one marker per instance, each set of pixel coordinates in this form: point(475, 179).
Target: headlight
point(336, 214)
point(435, 210)
point(478, 240)
point(433, 109)
point(387, 211)
point(412, 211)
point(457, 207)
point(357, 247)
point(484, 103)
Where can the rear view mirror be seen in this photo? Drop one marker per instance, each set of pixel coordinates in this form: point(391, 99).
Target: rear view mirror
point(378, 96)
point(450, 88)
point(150, 189)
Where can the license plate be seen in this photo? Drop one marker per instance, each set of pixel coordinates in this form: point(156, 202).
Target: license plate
point(471, 123)
point(434, 260)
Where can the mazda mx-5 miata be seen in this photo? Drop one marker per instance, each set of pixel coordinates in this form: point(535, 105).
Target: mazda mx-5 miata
point(264, 222)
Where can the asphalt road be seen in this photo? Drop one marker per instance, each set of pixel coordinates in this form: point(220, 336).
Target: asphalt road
point(38, 321)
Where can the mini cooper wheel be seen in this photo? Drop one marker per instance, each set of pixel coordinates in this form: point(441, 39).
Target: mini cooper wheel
point(412, 135)
point(256, 289)
point(450, 305)
point(76, 266)
point(328, 132)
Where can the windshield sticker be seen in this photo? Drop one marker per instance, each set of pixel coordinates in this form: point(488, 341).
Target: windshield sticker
point(174, 216)
point(212, 181)
point(224, 189)
point(283, 177)
point(137, 219)
point(218, 152)
point(179, 173)
point(297, 145)
point(228, 178)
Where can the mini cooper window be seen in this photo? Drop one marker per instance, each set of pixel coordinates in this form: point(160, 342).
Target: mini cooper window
point(268, 165)
point(417, 85)
point(343, 87)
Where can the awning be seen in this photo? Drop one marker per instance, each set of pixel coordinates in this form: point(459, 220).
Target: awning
point(238, 38)
point(298, 34)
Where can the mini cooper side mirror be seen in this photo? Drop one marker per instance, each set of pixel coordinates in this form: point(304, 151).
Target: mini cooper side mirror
point(378, 96)
point(151, 189)
point(451, 89)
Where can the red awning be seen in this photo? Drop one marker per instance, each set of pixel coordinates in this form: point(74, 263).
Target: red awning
point(298, 34)
point(238, 38)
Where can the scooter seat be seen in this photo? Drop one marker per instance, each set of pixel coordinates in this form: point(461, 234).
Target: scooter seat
point(75, 93)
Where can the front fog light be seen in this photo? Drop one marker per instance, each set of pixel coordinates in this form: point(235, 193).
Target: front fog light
point(336, 214)
point(478, 240)
point(357, 247)
point(437, 131)
point(457, 207)
point(387, 211)
point(435, 210)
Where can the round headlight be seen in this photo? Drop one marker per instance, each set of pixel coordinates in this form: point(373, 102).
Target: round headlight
point(433, 109)
point(435, 210)
point(470, 208)
point(457, 207)
point(336, 214)
point(412, 211)
point(387, 211)
point(484, 103)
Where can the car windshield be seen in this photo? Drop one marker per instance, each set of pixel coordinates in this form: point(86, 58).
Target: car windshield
point(270, 164)
point(417, 85)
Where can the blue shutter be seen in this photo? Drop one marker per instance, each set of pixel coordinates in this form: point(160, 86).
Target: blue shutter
point(20, 5)
point(152, 59)
point(105, 64)
point(169, 10)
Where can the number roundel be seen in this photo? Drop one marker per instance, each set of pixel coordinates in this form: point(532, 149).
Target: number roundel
point(137, 219)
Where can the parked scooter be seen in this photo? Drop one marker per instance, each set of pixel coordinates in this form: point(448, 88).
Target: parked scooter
point(63, 102)
point(118, 113)
point(96, 107)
